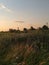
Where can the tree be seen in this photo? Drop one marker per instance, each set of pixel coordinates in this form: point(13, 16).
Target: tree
point(31, 28)
point(45, 27)
point(40, 28)
point(12, 30)
point(25, 30)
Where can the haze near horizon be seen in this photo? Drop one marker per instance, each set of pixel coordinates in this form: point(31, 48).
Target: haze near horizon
point(23, 13)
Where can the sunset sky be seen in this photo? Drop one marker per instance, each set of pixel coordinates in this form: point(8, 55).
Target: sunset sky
point(23, 13)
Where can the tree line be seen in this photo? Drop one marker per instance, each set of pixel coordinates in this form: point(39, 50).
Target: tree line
point(44, 27)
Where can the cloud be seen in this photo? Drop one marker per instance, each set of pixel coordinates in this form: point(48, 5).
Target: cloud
point(5, 8)
point(20, 21)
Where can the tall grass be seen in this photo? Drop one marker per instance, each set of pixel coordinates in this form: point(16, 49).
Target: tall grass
point(30, 48)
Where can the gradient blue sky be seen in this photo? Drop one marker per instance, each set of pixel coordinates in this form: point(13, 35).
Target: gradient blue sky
point(23, 13)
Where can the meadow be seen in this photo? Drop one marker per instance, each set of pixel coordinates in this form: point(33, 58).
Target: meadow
point(31, 48)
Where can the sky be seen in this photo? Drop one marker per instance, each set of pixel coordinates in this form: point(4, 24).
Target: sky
point(23, 13)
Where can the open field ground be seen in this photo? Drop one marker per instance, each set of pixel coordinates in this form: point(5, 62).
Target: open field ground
point(30, 48)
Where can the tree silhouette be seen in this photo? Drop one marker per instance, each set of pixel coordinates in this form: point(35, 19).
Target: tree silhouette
point(25, 30)
point(14, 30)
point(31, 28)
point(45, 27)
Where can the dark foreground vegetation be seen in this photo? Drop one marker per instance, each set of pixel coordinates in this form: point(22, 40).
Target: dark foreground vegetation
point(31, 48)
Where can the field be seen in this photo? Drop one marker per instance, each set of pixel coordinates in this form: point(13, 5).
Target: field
point(31, 48)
